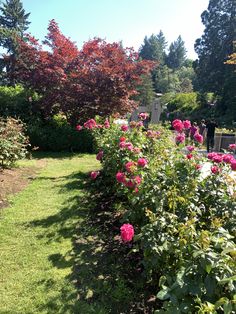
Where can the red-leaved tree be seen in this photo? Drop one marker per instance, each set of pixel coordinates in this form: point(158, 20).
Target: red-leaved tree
point(101, 78)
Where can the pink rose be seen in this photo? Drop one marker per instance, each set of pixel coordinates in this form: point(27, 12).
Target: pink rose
point(129, 146)
point(106, 124)
point(99, 126)
point(198, 137)
point(233, 165)
point(217, 158)
point(122, 145)
point(99, 155)
point(180, 138)
point(130, 184)
point(94, 174)
point(227, 158)
point(211, 155)
point(120, 177)
point(138, 180)
point(90, 124)
point(79, 127)
point(142, 162)
point(215, 169)
point(127, 232)
point(232, 146)
point(124, 128)
point(190, 148)
point(143, 115)
point(178, 125)
point(130, 166)
point(189, 156)
point(187, 124)
point(198, 167)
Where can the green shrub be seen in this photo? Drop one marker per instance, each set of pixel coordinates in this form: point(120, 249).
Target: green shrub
point(57, 135)
point(16, 102)
point(184, 220)
point(13, 142)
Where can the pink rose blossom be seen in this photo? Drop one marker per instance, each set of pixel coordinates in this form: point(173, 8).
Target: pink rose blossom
point(130, 166)
point(178, 125)
point(94, 174)
point(138, 180)
point(190, 148)
point(187, 124)
point(127, 232)
point(180, 138)
point(227, 158)
point(143, 115)
point(130, 184)
point(106, 124)
point(232, 146)
point(129, 146)
point(142, 162)
point(215, 169)
point(151, 134)
point(211, 155)
point(124, 128)
point(122, 145)
point(198, 137)
point(140, 124)
point(90, 124)
point(120, 177)
point(198, 167)
point(99, 126)
point(233, 164)
point(189, 156)
point(99, 155)
point(79, 127)
point(217, 158)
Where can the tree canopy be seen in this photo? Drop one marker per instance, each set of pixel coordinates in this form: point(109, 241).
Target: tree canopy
point(101, 78)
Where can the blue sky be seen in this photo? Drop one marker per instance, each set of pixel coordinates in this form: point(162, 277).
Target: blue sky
point(115, 20)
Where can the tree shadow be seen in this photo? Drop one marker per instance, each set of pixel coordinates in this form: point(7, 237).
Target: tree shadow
point(101, 266)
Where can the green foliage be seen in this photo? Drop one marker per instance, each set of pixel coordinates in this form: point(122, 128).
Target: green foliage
point(58, 135)
point(146, 92)
point(213, 49)
point(13, 142)
point(177, 54)
point(17, 102)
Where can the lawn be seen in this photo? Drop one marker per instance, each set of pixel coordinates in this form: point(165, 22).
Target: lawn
point(58, 253)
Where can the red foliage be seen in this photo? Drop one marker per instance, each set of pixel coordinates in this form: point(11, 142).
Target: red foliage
point(98, 79)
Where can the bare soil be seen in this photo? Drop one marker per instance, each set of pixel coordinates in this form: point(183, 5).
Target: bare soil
point(15, 180)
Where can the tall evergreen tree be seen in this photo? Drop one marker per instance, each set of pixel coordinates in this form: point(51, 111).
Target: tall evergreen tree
point(13, 23)
point(216, 44)
point(154, 47)
point(177, 54)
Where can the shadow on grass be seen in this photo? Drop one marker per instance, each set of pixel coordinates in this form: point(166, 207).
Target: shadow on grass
point(101, 270)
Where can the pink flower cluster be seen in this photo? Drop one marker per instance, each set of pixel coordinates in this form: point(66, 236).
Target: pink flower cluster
point(127, 232)
point(91, 124)
point(180, 126)
point(222, 158)
point(232, 147)
point(128, 145)
point(153, 134)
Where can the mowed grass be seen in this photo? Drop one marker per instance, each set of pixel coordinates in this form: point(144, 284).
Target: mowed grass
point(37, 235)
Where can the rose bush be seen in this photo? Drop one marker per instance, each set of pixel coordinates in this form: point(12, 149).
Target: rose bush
point(184, 218)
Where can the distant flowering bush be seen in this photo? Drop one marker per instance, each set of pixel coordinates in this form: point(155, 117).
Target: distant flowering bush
point(127, 232)
point(90, 124)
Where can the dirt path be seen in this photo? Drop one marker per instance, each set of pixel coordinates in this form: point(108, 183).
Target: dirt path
point(15, 180)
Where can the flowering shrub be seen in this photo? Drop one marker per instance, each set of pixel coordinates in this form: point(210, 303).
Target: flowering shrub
point(13, 142)
point(184, 218)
